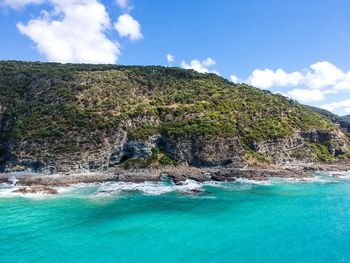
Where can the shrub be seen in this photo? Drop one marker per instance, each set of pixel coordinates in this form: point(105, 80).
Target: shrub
point(166, 160)
point(321, 151)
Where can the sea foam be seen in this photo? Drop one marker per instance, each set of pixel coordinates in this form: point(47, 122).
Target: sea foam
point(148, 188)
point(113, 189)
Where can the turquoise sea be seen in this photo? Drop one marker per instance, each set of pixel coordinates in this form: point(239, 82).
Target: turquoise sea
point(278, 221)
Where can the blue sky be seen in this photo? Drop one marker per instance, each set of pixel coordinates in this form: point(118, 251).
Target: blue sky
point(300, 48)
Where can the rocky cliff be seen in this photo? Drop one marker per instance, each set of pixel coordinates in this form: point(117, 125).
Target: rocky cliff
point(56, 117)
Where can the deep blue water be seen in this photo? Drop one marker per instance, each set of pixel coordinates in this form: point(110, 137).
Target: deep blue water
point(233, 222)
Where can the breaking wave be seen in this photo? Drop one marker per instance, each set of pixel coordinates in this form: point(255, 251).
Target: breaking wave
point(113, 189)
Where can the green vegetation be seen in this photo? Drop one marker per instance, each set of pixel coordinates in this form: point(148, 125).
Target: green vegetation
point(142, 162)
point(321, 151)
point(168, 159)
point(343, 157)
point(156, 158)
point(54, 108)
point(143, 132)
point(136, 163)
point(256, 156)
point(344, 121)
point(299, 154)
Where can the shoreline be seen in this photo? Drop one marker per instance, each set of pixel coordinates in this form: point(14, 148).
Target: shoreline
point(39, 182)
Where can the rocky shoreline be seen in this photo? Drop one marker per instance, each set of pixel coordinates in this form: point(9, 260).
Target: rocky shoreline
point(46, 183)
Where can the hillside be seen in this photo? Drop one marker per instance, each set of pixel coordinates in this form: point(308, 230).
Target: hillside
point(56, 117)
point(326, 113)
point(346, 119)
point(343, 121)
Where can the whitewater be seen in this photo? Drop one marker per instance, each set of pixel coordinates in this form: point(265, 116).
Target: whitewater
point(280, 220)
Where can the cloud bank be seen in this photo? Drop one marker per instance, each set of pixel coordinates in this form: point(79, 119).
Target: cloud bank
point(202, 66)
point(309, 85)
point(344, 105)
point(73, 32)
point(17, 4)
point(76, 31)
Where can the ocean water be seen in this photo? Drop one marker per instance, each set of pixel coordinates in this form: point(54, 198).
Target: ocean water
point(246, 221)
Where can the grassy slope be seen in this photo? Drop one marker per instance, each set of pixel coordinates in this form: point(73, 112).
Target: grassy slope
point(344, 121)
point(75, 107)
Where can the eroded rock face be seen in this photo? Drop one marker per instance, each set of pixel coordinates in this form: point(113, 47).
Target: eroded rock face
point(203, 151)
point(4, 158)
point(281, 150)
point(65, 118)
point(2, 111)
point(118, 151)
point(194, 151)
point(295, 148)
point(131, 148)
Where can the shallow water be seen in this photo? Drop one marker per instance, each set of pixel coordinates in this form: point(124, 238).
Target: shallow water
point(278, 221)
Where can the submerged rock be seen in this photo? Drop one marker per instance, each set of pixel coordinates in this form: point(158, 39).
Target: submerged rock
point(177, 178)
point(36, 189)
point(221, 178)
point(201, 178)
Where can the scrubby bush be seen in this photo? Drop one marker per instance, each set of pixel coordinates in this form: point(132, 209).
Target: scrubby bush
point(60, 103)
point(321, 151)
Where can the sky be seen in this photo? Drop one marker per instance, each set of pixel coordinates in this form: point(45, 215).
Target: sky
point(299, 48)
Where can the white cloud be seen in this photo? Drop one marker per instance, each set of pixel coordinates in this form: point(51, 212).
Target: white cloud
point(318, 76)
point(127, 26)
point(309, 85)
point(124, 4)
point(323, 74)
point(200, 66)
point(343, 105)
point(208, 62)
point(343, 84)
point(268, 78)
point(170, 58)
point(17, 4)
point(73, 32)
point(306, 95)
point(234, 78)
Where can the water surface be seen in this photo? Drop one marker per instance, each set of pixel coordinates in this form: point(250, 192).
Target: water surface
point(280, 221)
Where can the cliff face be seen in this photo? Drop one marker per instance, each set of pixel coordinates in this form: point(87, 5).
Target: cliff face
point(57, 117)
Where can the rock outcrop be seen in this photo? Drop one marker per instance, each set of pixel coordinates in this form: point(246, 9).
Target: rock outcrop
point(64, 118)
